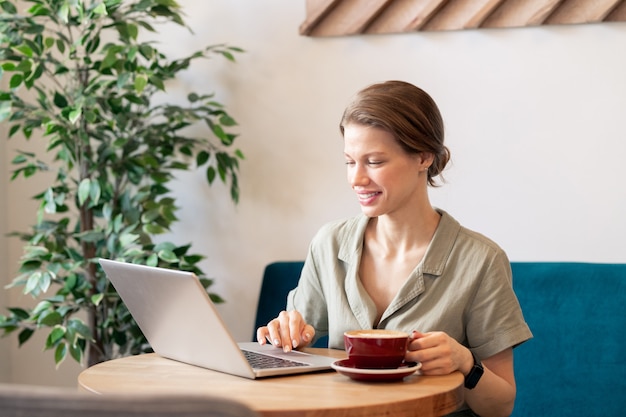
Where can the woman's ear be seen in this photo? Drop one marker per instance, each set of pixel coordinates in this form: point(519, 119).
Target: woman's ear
point(426, 159)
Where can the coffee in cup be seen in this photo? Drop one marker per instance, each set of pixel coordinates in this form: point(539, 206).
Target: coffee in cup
point(376, 348)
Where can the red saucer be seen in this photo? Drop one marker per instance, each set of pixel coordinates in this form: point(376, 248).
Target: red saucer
point(347, 368)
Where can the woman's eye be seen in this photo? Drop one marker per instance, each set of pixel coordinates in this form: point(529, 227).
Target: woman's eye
point(374, 162)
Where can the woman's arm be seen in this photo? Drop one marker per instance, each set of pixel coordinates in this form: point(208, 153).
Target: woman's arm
point(439, 354)
point(494, 395)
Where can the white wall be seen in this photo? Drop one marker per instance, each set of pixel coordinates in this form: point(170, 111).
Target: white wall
point(533, 116)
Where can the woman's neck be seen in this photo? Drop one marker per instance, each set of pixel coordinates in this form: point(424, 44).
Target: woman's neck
point(396, 234)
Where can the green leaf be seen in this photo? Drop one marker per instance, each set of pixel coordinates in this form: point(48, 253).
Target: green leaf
point(24, 336)
point(100, 10)
point(90, 116)
point(25, 50)
point(60, 353)
point(157, 82)
point(216, 298)
point(210, 174)
point(59, 100)
point(83, 191)
point(51, 318)
point(55, 335)
point(75, 115)
point(42, 306)
point(169, 246)
point(50, 203)
point(19, 159)
point(25, 66)
point(132, 31)
point(20, 313)
point(128, 239)
point(14, 129)
point(219, 132)
point(150, 216)
point(153, 260)
point(146, 51)
point(61, 46)
point(46, 280)
point(35, 251)
point(64, 12)
point(226, 120)
point(32, 284)
point(168, 256)
point(8, 7)
point(202, 158)
point(109, 60)
point(16, 80)
point(94, 193)
point(153, 229)
point(5, 111)
point(140, 82)
point(122, 79)
point(92, 236)
point(96, 299)
point(79, 327)
point(76, 352)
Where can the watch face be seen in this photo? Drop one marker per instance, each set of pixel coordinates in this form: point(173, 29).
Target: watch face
point(474, 376)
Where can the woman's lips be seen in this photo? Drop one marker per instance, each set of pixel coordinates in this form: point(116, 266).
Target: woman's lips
point(367, 198)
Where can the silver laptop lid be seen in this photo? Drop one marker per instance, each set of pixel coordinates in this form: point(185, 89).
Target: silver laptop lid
point(176, 315)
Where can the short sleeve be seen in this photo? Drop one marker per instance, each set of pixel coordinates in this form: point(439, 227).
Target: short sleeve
point(495, 319)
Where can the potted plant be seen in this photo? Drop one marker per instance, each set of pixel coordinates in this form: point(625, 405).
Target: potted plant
point(81, 79)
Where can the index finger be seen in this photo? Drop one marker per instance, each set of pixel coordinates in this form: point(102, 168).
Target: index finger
point(262, 335)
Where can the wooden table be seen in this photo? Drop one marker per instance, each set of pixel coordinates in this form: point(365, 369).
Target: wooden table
point(317, 394)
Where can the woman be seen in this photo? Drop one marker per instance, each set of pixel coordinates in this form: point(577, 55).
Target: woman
point(403, 264)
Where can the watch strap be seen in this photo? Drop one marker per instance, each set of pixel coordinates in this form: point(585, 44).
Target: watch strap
point(474, 375)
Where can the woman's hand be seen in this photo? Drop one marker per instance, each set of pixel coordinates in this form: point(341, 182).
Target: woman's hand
point(288, 330)
point(438, 353)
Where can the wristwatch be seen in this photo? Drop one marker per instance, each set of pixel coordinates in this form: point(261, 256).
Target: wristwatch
point(474, 375)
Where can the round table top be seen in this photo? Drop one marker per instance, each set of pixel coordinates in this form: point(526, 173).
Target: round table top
point(325, 393)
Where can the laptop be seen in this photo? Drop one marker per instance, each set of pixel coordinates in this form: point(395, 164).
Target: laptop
point(179, 320)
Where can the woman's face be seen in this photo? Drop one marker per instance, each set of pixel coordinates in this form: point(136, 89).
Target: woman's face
point(384, 177)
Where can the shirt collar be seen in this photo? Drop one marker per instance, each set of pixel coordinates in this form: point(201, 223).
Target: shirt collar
point(438, 252)
point(441, 245)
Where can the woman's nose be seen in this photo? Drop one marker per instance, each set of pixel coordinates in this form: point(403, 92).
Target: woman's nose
point(358, 176)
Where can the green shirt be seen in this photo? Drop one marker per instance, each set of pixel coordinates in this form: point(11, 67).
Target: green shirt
point(462, 287)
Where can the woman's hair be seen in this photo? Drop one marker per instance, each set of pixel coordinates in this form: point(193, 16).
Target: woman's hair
point(408, 113)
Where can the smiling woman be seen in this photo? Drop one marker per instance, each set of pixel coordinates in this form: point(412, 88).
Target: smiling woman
point(405, 265)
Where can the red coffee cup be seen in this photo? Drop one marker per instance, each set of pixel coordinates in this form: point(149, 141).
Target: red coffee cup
point(376, 348)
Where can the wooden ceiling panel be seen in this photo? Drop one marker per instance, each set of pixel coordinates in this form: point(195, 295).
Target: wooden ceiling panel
point(405, 16)
point(522, 13)
point(582, 11)
point(353, 17)
point(618, 14)
point(345, 17)
point(462, 14)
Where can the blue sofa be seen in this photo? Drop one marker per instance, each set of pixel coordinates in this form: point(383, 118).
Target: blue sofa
point(576, 363)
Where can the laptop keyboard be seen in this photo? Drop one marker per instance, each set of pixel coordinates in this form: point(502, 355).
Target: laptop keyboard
point(260, 361)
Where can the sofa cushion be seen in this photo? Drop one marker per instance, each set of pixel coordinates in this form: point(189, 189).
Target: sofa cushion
point(575, 364)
